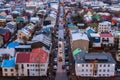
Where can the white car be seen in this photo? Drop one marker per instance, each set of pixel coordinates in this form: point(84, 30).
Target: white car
point(55, 67)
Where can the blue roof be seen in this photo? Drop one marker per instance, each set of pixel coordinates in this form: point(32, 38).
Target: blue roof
point(46, 29)
point(70, 25)
point(12, 45)
point(2, 17)
point(8, 63)
point(90, 31)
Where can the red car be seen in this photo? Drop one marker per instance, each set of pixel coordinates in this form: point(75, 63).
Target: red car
point(60, 59)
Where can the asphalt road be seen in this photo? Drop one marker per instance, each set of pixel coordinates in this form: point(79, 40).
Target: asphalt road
point(61, 74)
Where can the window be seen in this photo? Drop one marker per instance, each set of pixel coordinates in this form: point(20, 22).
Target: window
point(27, 65)
point(86, 65)
point(5, 70)
point(108, 70)
point(108, 65)
point(12, 74)
point(90, 65)
point(99, 74)
point(100, 65)
point(12, 70)
point(103, 70)
point(6, 74)
point(36, 65)
point(42, 69)
point(99, 70)
point(104, 65)
point(103, 74)
point(82, 70)
point(82, 65)
point(86, 70)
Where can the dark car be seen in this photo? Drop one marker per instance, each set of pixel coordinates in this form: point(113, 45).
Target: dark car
point(63, 66)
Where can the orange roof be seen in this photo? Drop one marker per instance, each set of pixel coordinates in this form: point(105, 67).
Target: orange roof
point(38, 55)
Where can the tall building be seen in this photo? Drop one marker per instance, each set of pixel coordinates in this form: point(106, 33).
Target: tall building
point(94, 65)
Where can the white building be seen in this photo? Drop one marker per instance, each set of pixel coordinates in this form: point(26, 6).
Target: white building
point(32, 64)
point(104, 27)
point(106, 39)
point(94, 65)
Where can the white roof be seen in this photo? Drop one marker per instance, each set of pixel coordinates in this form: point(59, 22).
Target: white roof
point(34, 19)
point(12, 23)
point(78, 36)
point(54, 6)
point(94, 34)
point(10, 51)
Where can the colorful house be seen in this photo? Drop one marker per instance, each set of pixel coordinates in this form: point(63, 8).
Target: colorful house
point(8, 67)
point(104, 27)
point(106, 39)
point(33, 63)
point(5, 34)
point(95, 40)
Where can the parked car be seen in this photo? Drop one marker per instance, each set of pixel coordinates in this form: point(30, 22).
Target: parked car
point(60, 59)
point(55, 67)
point(63, 66)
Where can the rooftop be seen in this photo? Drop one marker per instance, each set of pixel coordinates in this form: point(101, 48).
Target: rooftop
point(106, 35)
point(99, 57)
point(8, 63)
point(22, 57)
point(12, 45)
point(10, 51)
point(37, 55)
point(3, 31)
point(94, 34)
point(79, 36)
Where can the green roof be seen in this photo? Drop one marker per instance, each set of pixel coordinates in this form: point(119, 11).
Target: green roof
point(18, 19)
point(76, 51)
point(1, 37)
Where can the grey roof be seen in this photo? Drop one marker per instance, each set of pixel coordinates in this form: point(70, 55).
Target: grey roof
point(82, 57)
point(96, 56)
point(3, 31)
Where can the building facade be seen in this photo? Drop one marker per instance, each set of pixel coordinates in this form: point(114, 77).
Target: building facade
point(104, 27)
point(95, 65)
point(33, 63)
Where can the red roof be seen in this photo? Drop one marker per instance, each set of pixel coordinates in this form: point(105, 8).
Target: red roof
point(106, 35)
point(22, 57)
point(38, 55)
